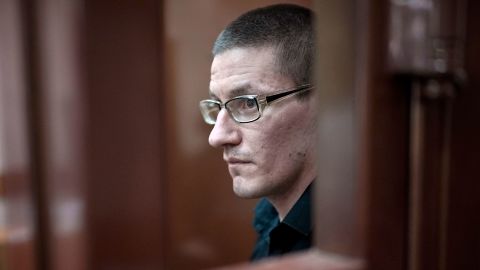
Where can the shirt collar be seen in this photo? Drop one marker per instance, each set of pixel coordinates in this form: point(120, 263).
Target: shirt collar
point(298, 218)
point(266, 217)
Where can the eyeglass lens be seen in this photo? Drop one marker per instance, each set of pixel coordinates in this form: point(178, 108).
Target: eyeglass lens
point(243, 109)
point(209, 111)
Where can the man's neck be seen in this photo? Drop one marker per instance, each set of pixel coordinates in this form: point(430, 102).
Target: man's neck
point(283, 203)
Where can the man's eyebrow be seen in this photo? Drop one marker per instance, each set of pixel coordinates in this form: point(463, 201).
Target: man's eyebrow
point(239, 91)
point(212, 95)
point(235, 92)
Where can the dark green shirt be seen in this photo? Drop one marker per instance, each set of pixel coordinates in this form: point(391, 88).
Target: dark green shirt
point(294, 233)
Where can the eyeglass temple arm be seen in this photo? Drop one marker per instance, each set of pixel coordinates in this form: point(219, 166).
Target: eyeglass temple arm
point(274, 97)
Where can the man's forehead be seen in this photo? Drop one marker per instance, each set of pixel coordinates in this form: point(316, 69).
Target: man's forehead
point(250, 85)
point(243, 71)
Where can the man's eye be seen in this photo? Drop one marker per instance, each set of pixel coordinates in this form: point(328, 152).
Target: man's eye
point(250, 103)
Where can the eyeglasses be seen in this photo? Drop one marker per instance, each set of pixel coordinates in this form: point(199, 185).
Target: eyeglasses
point(246, 108)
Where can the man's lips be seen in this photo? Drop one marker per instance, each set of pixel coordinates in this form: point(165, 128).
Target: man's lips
point(233, 160)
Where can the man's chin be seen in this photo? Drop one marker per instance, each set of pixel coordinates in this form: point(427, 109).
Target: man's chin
point(244, 195)
point(244, 191)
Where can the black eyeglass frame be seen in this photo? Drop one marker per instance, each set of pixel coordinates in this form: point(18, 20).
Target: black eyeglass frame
point(261, 102)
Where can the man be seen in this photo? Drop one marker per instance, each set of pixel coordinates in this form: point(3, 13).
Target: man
point(263, 112)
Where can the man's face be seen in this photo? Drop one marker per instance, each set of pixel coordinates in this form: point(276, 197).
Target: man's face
point(266, 157)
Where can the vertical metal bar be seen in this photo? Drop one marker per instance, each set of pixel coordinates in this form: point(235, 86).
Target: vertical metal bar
point(445, 177)
point(416, 166)
point(429, 173)
point(34, 126)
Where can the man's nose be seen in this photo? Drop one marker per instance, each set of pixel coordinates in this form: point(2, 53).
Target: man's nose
point(225, 131)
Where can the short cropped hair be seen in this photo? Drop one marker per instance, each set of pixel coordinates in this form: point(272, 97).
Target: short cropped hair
point(286, 28)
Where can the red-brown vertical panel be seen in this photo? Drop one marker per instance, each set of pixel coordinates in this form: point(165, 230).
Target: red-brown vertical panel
point(463, 237)
point(338, 206)
point(384, 142)
point(360, 192)
point(363, 145)
point(20, 235)
point(125, 140)
point(57, 78)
